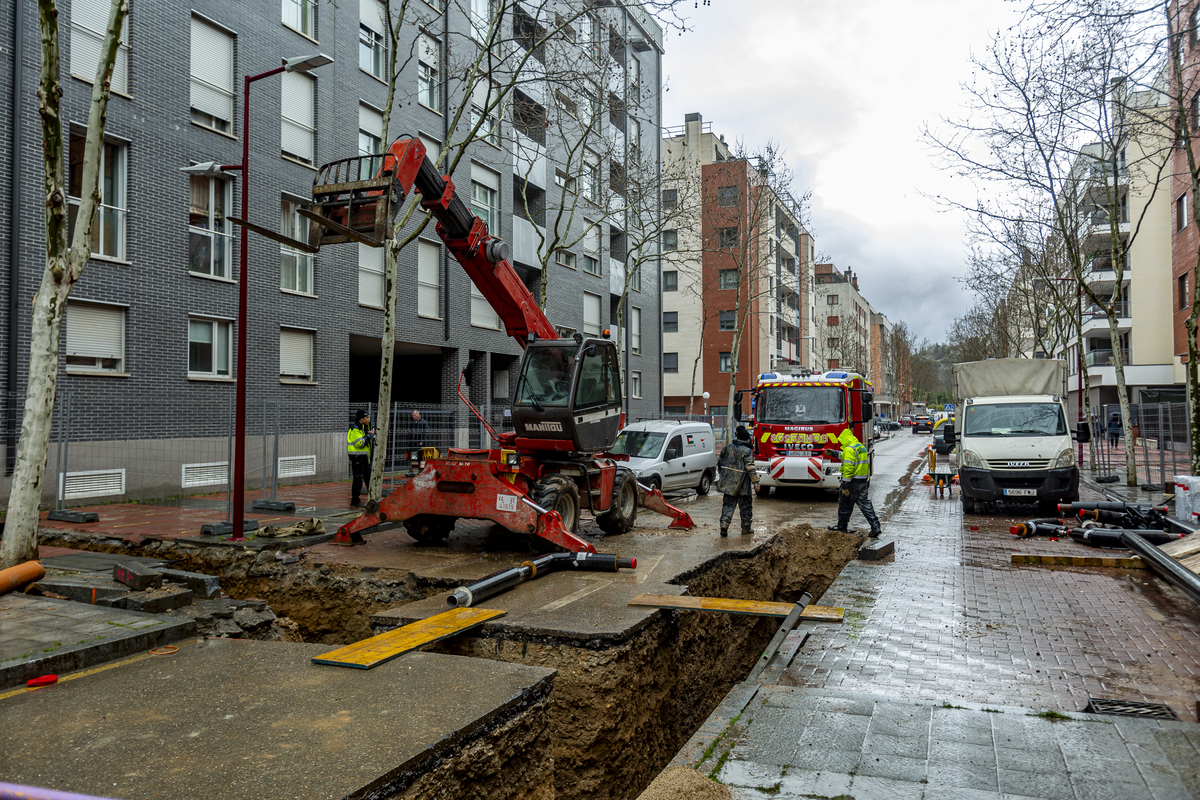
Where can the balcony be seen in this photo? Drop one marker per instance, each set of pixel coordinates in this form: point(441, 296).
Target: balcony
point(529, 160)
point(616, 140)
point(1094, 320)
point(526, 238)
point(616, 276)
point(1104, 358)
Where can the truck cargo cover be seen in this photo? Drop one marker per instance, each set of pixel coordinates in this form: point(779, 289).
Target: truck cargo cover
point(999, 377)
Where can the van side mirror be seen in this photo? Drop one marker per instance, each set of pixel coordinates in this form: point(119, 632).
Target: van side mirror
point(1083, 434)
point(948, 434)
point(672, 454)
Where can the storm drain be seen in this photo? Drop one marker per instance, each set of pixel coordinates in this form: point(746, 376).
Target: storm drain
point(1129, 708)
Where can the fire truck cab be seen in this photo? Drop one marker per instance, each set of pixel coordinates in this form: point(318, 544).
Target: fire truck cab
point(794, 419)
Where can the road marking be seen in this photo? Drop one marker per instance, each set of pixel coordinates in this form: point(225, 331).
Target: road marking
point(571, 598)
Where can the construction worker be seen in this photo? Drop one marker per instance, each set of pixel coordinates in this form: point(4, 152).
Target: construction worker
point(358, 447)
point(856, 484)
point(738, 477)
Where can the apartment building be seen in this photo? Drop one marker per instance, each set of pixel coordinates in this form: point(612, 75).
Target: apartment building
point(842, 320)
point(1185, 242)
point(147, 337)
point(735, 255)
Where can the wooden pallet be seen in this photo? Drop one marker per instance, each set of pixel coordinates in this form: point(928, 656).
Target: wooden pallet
point(750, 607)
point(383, 648)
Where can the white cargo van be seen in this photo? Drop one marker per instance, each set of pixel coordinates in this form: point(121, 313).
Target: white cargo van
point(1011, 432)
point(670, 455)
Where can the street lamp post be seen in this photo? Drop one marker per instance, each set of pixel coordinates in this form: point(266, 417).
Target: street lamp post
point(705, 396)
point(238, 468)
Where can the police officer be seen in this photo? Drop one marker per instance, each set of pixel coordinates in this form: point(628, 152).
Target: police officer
point(358, 447)
point(856, 485)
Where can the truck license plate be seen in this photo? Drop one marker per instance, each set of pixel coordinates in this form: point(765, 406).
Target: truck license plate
point(1021, 492)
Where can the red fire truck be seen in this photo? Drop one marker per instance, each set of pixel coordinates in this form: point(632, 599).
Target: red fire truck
point(794, 419)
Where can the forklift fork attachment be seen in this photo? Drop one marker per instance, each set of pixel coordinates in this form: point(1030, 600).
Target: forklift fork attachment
point(651, 498)
point(296, 244)
point(341, 230)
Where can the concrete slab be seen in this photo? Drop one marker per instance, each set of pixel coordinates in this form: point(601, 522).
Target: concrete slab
point(257, 720)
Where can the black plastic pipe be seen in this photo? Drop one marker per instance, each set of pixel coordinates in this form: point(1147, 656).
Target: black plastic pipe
point(1039, 527)
point(1143, 508)
point(1164, 565)
point(1115, 537)
point(505, 579)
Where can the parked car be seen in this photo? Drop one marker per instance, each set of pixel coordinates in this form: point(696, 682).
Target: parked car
point(939, 439)
point(922, 423)
point(670, 455)
point(888, 424)
point(906, 421)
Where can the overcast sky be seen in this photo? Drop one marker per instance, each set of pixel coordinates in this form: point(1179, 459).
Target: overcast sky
point(845, 88)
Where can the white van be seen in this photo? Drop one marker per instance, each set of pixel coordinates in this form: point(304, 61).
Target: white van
point(670, 455)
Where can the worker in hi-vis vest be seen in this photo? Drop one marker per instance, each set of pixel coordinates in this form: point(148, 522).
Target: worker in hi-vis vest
point(856, 484)
point(358, 447)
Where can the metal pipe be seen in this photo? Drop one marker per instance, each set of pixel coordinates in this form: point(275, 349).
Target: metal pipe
point(264, 446)
point(1164, 565)
point(502, 581)
point(66, 452)
point(1115, 537)
point(229, 470)
point(275, 459)
point(60, 485)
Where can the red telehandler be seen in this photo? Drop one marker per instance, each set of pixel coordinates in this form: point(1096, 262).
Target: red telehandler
point(567, 408)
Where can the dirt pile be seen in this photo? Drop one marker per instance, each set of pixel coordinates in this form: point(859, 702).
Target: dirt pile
point(681, 783)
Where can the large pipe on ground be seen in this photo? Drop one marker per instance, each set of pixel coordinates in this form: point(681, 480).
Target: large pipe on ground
point(1164, 565)
point(21, 575)
point(505, 579)
point(1115, 537)
point(1039, 527)
point(1075, 508)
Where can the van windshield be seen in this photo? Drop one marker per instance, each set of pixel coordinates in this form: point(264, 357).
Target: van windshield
point(1015, 419)
point(639, 444)
point(800, 405)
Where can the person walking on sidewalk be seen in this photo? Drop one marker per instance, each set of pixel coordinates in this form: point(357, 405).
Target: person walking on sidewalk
point(358, 448)
point(856, 485)
point(1114, 430)
point(738, 478)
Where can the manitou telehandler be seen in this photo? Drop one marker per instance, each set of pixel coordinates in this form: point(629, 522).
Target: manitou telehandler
point(567, 408)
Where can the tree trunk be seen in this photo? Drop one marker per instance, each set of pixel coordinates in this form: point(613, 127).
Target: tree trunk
point(1122, 397)
point(386, 370)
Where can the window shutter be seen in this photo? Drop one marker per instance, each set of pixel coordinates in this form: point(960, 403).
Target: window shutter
point(299, 118)
point(89, 22)
point(484, 176)
point(370, 120)
point(433, 148)
point(591, 314)
point(372, 262)
point(428, 52)
point(95, 331)
point(370, 13)
point(482, 313)
point(212, 70)
point(591, 239)
point(295, 353)
point(428, 278)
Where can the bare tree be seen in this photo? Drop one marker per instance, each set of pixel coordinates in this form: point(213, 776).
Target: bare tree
point(67, 253)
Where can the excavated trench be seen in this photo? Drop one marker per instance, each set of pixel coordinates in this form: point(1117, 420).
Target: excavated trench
point(620, 709)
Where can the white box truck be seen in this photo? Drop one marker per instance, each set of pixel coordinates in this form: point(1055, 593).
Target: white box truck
point(1011, 433)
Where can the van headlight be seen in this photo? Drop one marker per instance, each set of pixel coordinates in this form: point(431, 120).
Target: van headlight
point(1065, 459)
point(969, 459)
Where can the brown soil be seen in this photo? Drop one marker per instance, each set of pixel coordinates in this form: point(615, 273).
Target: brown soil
point(681, 783)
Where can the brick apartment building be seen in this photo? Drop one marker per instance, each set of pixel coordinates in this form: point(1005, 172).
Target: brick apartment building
point(147, 339)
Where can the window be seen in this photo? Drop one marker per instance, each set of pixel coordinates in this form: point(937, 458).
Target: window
point(372, 262)
point(372, 45)
point(591, 99)
point(635, 280)
point(210, 240)
point(482, 13)
point(635, 331)
point(429, 279)
point(564, 181)
point(299, 121)
point(589, 33)
point(301, 15)
point(1184, 300)
point(1195, 26)
point(566, 104)
point(89, 23)
point(670, 362)
point(564, 27)
point(727, 279)
point(832, 321)
point(834, 341)
point(670, 240)
point(370, 140)
point(670, 280)
point(674, 409)
point(635, 383)
point(429, 62)
point(295, 354)
point(591, 249)
point(208, 348)
point(591, 176)
point(670, 198)
point(718, 411)
point(1196, 112)
point(433, 147)
point(95, 337)
point(482, 313)
point(1181, 212)
point(727, 196)
point(635, 77)
point(831, 299)
point(727, 237)
point(726, 320)
point(564, 258)
point(108, 231)
point(212, 76)
point(724, 363)
point(591, 314)
point(635, 141)
point(295, 267)
point(483, 107)
point(485, 189)
point(670, 321)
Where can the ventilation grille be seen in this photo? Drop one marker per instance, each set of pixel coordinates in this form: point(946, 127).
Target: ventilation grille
point(297, 466)
point(214, 473)
point(1129, 708)
point(97, 483)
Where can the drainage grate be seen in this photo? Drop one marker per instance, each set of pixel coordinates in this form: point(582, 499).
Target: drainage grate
point(1129, 708)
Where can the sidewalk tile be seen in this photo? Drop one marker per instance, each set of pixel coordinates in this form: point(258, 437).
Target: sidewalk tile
point(869, 787)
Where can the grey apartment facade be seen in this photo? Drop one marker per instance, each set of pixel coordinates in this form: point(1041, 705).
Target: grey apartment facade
point(147, 349)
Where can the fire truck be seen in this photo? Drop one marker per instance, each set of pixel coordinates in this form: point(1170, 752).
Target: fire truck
point(795, 419)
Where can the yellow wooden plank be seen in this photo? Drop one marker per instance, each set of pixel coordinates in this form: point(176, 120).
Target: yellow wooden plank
point(1182, 548)
point(1192, 563)
point(374, 651)
point(759, 608)
point(1079, 561)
